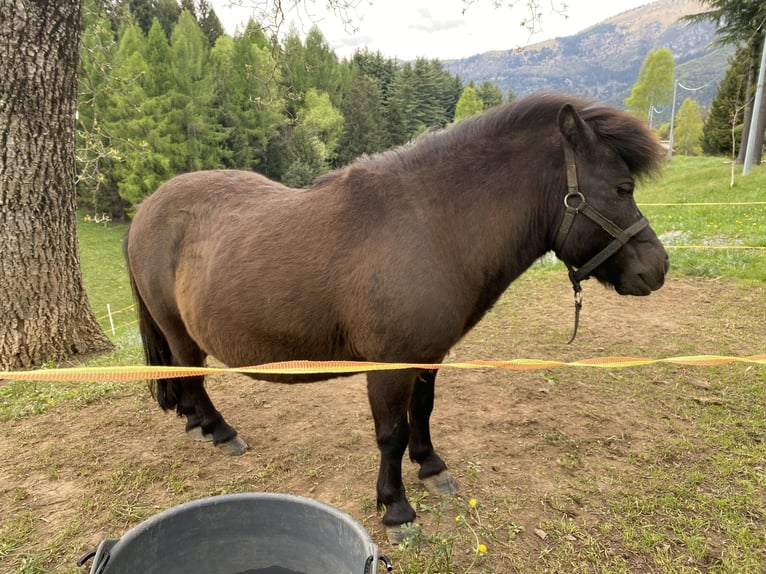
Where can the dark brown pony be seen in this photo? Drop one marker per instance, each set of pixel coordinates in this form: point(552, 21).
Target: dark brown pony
point(392, 258)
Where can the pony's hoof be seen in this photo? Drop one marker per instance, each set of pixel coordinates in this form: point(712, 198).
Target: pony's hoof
point(395, 534)
point(441, 484)
point(196, 434)
point(232, 447)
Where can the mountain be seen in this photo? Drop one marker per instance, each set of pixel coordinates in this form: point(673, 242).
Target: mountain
point(603, 61)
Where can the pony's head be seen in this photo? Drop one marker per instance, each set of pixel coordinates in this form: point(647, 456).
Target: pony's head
point(600, 231)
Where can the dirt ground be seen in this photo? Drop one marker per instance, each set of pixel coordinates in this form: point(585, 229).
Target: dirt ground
point(536, 446)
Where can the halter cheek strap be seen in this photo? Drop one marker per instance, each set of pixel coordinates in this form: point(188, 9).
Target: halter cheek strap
point(619, 236)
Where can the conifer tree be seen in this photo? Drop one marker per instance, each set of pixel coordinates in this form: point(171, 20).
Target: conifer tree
point(97, 191)
point(722, 131)
point(209, 22)
point(490, 94)
point(364, 121)
point(133, 120)
point(193, 135)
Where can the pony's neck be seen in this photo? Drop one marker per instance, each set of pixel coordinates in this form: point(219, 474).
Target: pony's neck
point(494, 216)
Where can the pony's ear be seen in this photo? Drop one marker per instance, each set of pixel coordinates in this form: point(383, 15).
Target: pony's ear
point(572, 127)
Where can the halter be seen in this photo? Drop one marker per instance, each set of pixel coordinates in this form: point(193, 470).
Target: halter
point(620, 236)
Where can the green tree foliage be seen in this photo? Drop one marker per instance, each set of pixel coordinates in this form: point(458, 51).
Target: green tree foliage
point(469, 103)
point(490, 94)
point(688, 128)
point(95, 157)
point(167, 13)
point(422, 95)
point(741, 23)
point(248, 103)
point(364, 127)
point(164, 91)
point(314, 139)
point(722, 131)
point(134, 121)
point(654, 86)
point(209, 23)
point(193, 136)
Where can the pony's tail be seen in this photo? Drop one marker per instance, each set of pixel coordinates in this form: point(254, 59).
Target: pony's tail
point(156, 347)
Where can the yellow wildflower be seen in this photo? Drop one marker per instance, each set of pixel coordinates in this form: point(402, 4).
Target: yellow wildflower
point(481, 549)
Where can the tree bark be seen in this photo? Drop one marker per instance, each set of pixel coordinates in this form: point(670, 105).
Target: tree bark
point(44, 310)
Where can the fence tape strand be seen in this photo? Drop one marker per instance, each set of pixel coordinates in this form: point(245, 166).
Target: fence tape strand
point(140, 373)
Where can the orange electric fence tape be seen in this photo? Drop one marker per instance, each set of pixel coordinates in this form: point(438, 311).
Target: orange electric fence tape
point(719, 247)
point(136, 373)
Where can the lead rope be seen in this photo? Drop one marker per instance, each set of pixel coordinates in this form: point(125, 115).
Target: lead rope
point(577, 299)
point(573, 190)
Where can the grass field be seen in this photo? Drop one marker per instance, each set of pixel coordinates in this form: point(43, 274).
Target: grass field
point(732, 220)
point(653, 469)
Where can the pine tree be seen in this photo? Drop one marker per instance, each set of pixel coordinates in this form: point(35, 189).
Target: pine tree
point(402, 123)
point(381, 69)
point(722, 131)
point(194, 136)
point(247, 97)
point(741, 22)
point(133, 120)
point(364, 122)
point(96, 188)
point(209, 22)
point(490, 94)
point(322, 67)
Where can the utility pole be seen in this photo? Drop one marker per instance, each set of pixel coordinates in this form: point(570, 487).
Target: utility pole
point(750, 151)
point(672, 120)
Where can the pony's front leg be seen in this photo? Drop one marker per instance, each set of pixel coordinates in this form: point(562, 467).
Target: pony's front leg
point(389, 394)
point(433, 471)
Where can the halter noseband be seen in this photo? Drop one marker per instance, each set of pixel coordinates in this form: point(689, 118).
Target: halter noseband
point(620, 236)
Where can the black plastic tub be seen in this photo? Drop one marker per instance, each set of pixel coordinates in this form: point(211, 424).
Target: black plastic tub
point(251, 533)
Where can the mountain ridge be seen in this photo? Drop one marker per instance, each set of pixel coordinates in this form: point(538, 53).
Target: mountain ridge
point(603, 60)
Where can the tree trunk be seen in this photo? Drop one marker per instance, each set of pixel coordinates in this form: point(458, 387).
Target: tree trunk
point(44, 311)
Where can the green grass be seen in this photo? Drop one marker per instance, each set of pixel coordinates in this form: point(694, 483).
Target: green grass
point(104, 273)
point(721, 231)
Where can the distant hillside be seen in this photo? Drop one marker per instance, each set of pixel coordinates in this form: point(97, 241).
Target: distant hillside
point(603, 61)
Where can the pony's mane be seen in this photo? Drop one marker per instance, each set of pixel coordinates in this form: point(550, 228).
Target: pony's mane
point(626, 134)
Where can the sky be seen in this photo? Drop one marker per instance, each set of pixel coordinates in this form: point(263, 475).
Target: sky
point(442, 29)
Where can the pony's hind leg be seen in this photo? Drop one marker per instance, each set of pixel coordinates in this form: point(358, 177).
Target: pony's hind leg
point(189, 398)
point(433, 471)
point(203, 421)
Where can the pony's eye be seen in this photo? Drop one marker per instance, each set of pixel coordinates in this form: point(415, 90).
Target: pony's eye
point(625, 188)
